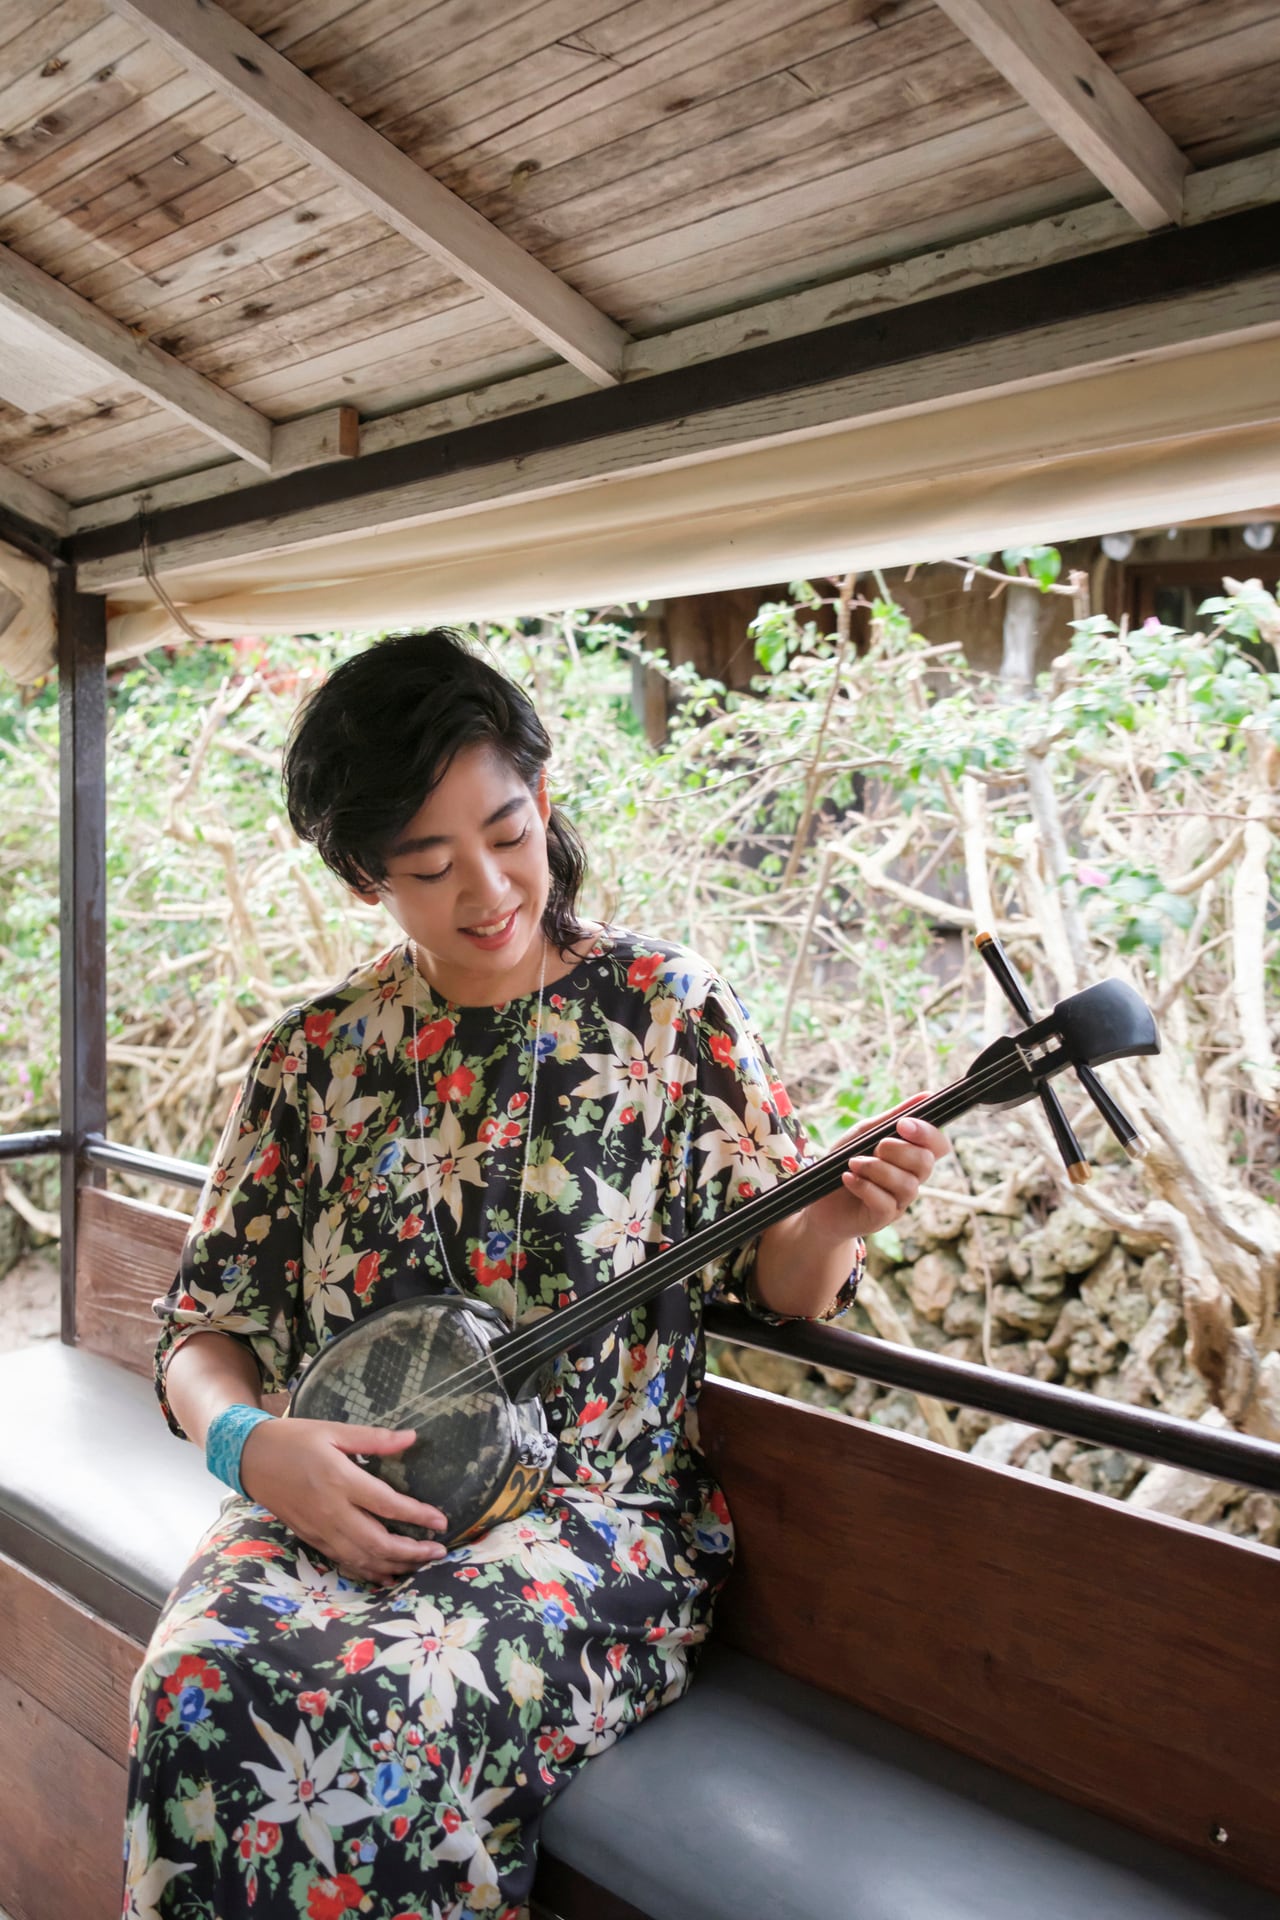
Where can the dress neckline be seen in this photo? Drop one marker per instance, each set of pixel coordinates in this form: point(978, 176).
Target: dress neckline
point(602, 943)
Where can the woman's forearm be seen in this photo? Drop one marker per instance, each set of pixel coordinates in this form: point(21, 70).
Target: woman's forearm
point(207, 1373)
point(800, 1270)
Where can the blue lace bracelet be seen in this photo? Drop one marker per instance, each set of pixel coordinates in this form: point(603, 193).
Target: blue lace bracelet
point(224, 1442)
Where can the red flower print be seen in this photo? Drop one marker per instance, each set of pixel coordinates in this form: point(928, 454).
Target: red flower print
point(268, 1836)
point(430, 1039)
point(399, 1828)
point(330, 1899)
point(745, 1189)
point(627, 1115)
point(412, 1227)
point(517, 1103)
point(268, 1161)
point(313, 1702)
point(163, 1709)
point(317, 1027)
point(356, 1655)
point(564, 1747)
point(488, 1131)
point(557, 1001)
point(639, 1355)
point(367, 1273)
point(290, 1063)
point(643, 972)
point(252, 1550)
point(433, 1753)
point(789, 1163)
point(781, 1098)
point(674, 1091)
point(186, 1303)
point(720, 1507)
point(456, 1085)
point(451, 1819)
point(722, 1049)
point(593, 1410)
point(616, 1655)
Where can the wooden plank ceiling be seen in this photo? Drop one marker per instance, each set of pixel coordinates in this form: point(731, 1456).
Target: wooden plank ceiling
point(224, 258)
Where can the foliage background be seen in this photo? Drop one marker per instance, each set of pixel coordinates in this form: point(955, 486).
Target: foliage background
point(829, 841)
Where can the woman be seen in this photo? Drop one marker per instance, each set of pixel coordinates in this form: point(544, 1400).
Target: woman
point(334, 1716)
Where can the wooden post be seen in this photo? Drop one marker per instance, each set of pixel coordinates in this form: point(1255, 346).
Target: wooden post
point(82, 740)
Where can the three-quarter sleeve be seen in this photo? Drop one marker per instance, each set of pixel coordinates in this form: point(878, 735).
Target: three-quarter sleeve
point(744, 1138)
point(241, 1271)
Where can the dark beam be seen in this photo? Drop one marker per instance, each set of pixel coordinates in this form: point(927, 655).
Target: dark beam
point(37, 543)
point(82, 745)
point(1143, 272)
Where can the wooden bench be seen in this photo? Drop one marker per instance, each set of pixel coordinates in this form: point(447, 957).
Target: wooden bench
point(940, 1689)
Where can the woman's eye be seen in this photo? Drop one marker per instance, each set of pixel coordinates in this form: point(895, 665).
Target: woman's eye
point(432, 876)
point(518, 841)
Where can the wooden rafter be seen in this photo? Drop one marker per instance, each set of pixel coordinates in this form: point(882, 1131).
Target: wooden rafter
point(32, 502)
point(301, 115)
point(1075, 92)
point(55, 310)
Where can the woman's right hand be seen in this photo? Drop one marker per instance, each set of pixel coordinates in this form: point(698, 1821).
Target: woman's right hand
point(303, 1472)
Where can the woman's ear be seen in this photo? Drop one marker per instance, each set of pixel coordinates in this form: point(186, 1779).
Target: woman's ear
point(542, 797)
point(369, 895)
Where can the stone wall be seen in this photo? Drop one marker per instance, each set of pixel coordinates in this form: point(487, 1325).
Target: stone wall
point(1041, 1288)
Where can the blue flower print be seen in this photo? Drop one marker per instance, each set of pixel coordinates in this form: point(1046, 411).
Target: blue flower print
point(390, 1784)
point(390, 1157)
point(192, 1706)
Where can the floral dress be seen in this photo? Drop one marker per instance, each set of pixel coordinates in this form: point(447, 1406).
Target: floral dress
point(306, 1745)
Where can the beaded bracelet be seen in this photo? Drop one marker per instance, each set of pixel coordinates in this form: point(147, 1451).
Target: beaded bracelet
point(224, 1442)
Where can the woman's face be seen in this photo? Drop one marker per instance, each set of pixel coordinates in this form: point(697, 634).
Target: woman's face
point(468, 880)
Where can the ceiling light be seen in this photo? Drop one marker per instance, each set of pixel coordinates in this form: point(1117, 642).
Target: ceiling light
point(1117, 546)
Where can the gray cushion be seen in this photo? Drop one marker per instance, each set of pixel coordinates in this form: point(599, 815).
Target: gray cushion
point(758, 1796)
point(754, 1796)
point(96, 1495)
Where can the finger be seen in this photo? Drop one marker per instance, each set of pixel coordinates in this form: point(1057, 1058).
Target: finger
point(901, 1182)
point(374, 1545)
point(917, 1161)
point(922, 1133)
point(373, 1495)
point(353, 1439)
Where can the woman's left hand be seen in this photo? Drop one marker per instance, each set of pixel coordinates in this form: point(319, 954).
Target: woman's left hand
point(878, 1188)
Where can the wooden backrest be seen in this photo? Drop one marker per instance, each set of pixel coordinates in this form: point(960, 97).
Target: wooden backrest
point(126, 1255)
point(1123, 1661)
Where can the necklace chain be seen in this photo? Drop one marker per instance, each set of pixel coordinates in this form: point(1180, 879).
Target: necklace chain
point(528, 1134)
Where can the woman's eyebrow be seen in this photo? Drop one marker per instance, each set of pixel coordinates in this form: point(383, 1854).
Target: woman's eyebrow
point(421, 844)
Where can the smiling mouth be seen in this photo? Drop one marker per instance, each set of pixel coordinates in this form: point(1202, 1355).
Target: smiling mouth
point(494, 927)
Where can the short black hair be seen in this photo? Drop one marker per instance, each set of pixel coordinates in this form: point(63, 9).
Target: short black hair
point(377, 737)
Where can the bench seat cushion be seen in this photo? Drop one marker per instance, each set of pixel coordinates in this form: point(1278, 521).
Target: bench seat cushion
point(755, 1795)
point(96, 1495)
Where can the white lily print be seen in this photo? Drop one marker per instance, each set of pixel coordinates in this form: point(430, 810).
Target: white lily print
point(300, 1788)
point(532, 1543)
point(467, 1825)
point(218, 1311)
point(628, 1221)
point(325, 1265)
point(383, 1008)
point(635, 1076)
point(329, 1118)
point(597, 1714)
point(445, 1163)
point(435, 1655)
point(748, 1146)
point(315, 1597)
point(145, 1879)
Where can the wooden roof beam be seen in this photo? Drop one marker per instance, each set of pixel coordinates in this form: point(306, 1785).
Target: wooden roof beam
point(301, 115)
point(1075, 92)
point(59, 313)
point(33, 503)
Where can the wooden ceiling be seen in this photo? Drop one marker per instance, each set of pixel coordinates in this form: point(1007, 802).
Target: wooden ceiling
point(260, 235)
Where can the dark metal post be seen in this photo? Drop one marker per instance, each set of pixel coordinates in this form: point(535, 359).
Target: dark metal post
point(82, 742)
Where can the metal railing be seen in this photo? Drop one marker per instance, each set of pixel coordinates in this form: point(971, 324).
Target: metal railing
point(1143, 1431)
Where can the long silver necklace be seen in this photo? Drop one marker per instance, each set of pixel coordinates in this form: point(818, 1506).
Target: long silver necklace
point(528, 1134)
